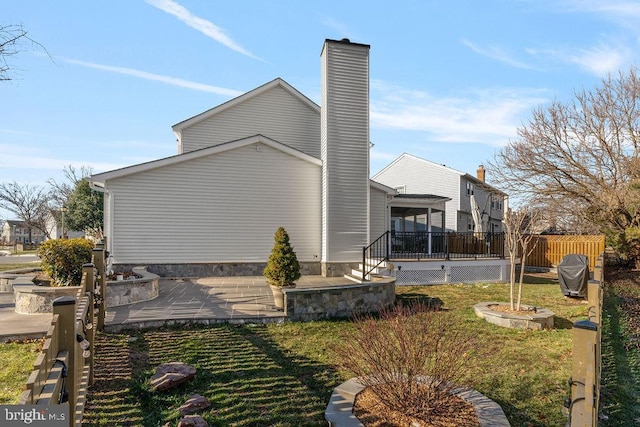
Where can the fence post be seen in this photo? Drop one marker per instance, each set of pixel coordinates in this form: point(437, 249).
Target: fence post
point(89, 285)
point(593, 298)
point(585, 335)
point(65, 308)
point(99, 262)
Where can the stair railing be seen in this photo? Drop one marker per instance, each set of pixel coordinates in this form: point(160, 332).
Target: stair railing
point(377, 253)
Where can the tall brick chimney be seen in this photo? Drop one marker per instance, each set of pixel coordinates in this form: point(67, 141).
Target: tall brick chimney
point(481, 173)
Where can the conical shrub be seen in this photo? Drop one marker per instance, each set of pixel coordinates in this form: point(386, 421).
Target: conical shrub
point(282, 268)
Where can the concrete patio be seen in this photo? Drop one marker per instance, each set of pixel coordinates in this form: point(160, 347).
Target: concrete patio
point(238, 299)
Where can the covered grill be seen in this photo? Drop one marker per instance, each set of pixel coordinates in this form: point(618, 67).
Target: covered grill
point(573, 274)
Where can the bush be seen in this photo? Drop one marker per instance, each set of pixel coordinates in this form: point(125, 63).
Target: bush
point(410, 357)
point(282, 268)
point(62, 259)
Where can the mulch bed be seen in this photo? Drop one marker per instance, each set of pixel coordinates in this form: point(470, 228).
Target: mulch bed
point(454, 412)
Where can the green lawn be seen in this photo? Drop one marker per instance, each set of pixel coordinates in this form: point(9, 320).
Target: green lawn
point(17, 364)
point(17, 358)
point(283, 374)
point(255, 375)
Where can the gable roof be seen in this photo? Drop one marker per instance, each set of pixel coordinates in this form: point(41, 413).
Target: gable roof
point(278, 82)
point(101, 178)
point(467, 176)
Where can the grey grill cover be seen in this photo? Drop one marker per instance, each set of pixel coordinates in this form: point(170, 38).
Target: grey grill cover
point(573, 274)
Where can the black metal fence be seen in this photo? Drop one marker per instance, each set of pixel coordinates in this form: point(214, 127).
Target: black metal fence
point(445, 245)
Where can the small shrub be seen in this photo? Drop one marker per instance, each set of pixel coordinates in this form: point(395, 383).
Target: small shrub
point(62, 259)
point(410, 357)
point(282, 268)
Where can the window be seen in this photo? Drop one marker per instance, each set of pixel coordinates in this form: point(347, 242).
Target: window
point(469, 189)
point(402, 189)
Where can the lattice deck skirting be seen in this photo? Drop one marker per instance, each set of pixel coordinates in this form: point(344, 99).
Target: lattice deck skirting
point(450, 274)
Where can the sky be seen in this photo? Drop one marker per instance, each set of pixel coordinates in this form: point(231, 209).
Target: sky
point(451, 81)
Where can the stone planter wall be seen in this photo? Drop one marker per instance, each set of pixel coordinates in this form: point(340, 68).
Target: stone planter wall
point(129, 291)
point(540, 318)
point(7, 277)
point(33, 299)
point(339, 412)
point(304, 304)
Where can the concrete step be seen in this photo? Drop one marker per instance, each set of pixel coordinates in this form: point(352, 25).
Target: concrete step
point(355, 279)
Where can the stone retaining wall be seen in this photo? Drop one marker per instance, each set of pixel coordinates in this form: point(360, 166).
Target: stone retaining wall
point(304, 304)
point(33, 299)
point(129, 291)
point(215, 269)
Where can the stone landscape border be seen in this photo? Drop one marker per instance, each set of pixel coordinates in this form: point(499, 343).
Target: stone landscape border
point(129, 291)
point(339, 412)
point(330, 302)
point(540, 318)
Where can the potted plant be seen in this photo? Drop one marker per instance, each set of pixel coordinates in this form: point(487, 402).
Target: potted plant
point(282, 268)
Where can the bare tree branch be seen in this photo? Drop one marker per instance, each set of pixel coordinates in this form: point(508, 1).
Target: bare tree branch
point(580, 159)
point(29, 203)
point(12, 42)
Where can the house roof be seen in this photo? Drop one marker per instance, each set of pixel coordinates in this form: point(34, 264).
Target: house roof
point(101, 178)
point(278, 82)
point(382, 187)
point(467, 176)
point(432, 197)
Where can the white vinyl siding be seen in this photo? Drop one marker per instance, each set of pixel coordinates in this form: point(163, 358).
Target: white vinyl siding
point(345, 151)
point(276, 114)
point(379, 217)
point(419, 176)
point(223, 207)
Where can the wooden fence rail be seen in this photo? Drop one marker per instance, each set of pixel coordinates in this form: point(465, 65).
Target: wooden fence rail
point(550, 249)
point(587, 357)
point(63, 371)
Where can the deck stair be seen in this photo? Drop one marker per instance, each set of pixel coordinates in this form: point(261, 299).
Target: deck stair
point(357, 273)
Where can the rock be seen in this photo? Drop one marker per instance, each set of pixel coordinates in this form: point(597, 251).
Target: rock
point(169, 375)
point(192, 421)
point(195, 403)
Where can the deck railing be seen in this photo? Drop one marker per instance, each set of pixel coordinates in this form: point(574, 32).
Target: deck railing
point(64, 369)
point(445, 245)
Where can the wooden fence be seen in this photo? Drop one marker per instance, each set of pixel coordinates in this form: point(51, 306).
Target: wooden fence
point(586, 371)
point(63, 371)
point(550, 249)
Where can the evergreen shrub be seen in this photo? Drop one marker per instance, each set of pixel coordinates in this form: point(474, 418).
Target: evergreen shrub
point(282, 268)
point(62, 259)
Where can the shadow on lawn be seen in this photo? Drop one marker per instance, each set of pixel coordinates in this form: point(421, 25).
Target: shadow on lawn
point(562, 323)
point(248, 379)
point(430, 302)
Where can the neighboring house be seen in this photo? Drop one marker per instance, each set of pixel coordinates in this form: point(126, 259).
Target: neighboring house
point(58, 229)
point(17, 232)
point(474, 205)
point(268, 158)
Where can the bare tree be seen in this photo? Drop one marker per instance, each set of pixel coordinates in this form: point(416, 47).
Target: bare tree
point(581, 157)
point(518, 237)
point(29, 203)
point(12, 40)
point(61, 191)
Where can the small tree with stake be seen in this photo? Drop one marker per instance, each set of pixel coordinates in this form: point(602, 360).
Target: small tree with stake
point(282, 268)
point(518, 226)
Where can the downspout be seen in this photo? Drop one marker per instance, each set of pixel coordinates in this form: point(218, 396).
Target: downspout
point(100, 188)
